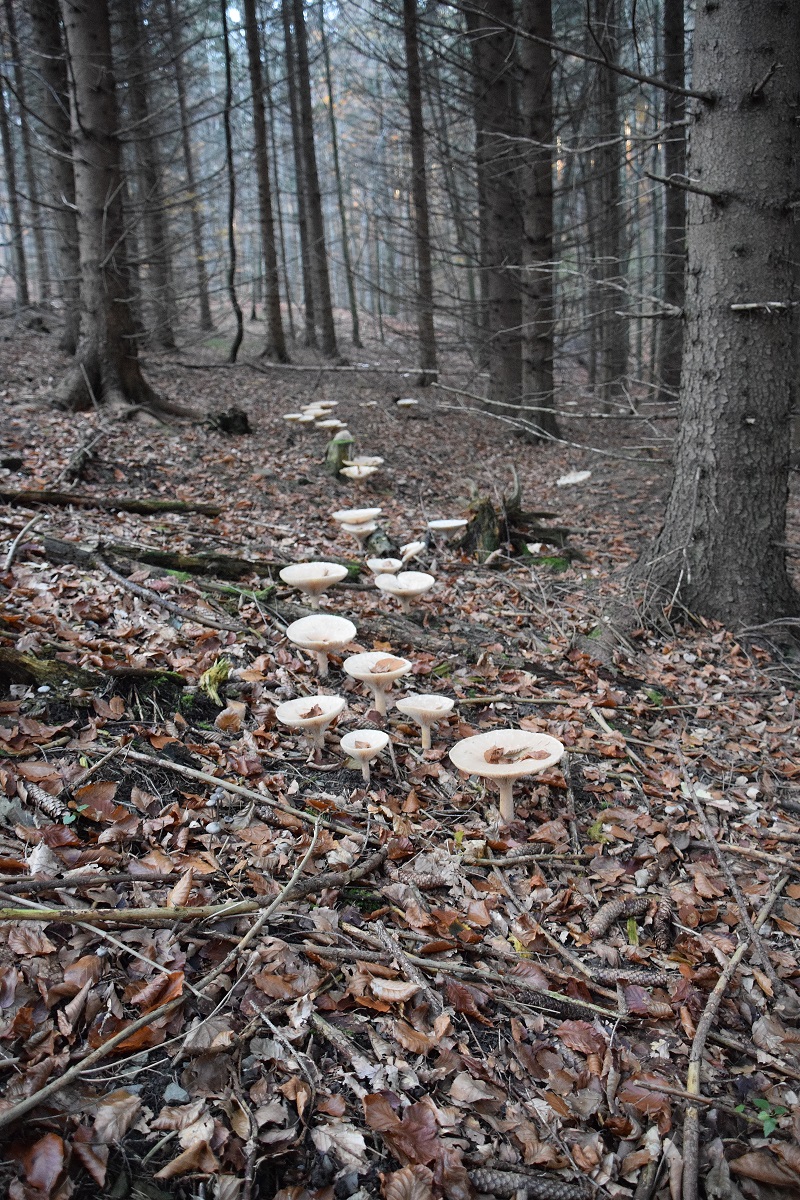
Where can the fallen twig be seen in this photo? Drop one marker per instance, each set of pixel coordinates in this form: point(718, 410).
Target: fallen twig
point(129, 504)
point(17, 542)
point(152, 597)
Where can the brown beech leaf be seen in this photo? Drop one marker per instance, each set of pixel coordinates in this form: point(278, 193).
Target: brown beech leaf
point(765, 1168)
point(179, 1116)
point(581, 1036)
point(498, 755)
point(450, 1174)
point(412, 1139)
point(412, 1040)
point(199, 1157)
point(314, 711)
point(43, 1163)
point(115, 1115)
point(179, 894)
point(409, 1183)
point(92, 1156)
point(386, 664)
point(395, 991)
point(28, 941)
point(231, 718)
point(95, 802)
point(465, 999)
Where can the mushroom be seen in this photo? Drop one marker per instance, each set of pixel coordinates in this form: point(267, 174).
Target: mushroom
point(312, 714)
point(358, 472)
point(363, 745)
point(448, 528)
point(426, 710)
point(365, 460)
point(405, 586)
point(362, 533)
point(407, 402)
point(378, 670)
point(330, 423)
point(411, 550)
point(384, 566)
point(355, 516)
point(313, 578)
point(505, 755)
point(294, 417)
point(321, 633)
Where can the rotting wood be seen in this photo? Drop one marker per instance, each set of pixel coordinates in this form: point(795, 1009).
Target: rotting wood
point(146, 506)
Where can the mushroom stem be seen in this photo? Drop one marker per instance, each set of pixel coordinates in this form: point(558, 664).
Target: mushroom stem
point(322, 662)
point(506, 800)
point(365, 770)
point(313, 601)
point(426, 735)
point(380, 699)
point(405, 604)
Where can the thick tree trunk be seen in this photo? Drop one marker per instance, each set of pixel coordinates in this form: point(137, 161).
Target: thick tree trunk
point(19, 265)
point(610, 232)
point(316, 225)
point(300, 176)
point(158, 256)
point(276, 343)
point(419, 191)
point(720, 550)
point(37, 225)
point(51, 65)
point(337, 169)
point(496, 116)
point(108, 366)
point(536, 193)
point(276, 188)
point(189, 170)
point(670, 348)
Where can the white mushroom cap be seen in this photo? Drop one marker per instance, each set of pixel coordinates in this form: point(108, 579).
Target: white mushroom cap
point(411, 550)
point(292, 416)
point(330, 423)
point(505, 755)
point(364, 745)
point(408, 402)
point(355, 516)
point(384, 566)
point(405, 586)
point(448, 526)
point(313, 578)
point(306, 418)
point(378, 670)
point(321, 634)
point(359, 472)
point(365, 460)
point(312, 714)
point(426, 710)
point(361, 533)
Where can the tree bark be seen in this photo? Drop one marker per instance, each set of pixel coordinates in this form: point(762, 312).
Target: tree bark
point(156, 233)
point(226, 123)
point(536, 193)
point(720, 551)
point(276, 343)
point(419, 192)
point(670, 349)
point(51, 65)
point(189, 170)
point(496, 117)
point(316, 226)
point(20, 266)
point(108, 366)
point(39, 241)
point(301, 189)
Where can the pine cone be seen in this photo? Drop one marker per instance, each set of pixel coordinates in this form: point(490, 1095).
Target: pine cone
point(542, 1186)
point(602, 921)
point(662, 924)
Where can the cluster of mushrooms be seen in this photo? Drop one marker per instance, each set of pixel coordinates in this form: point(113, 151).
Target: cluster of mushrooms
point(501, 755)
point(320, 415)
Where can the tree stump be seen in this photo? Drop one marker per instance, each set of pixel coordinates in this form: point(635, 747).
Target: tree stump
point(339, 448)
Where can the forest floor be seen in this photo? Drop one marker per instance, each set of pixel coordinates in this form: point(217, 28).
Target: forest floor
point(412, 1001)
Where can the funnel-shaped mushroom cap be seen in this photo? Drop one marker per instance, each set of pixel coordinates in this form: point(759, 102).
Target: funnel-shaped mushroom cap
point(406, 585)
point(330, 423)
point(313, 578)
point(358, 472)
point(408, 402)
point(504, 755)
point(365, 460)
point(411, 550)
point(306, 418)
point(362, 531)
point(384, 566)
point(426, 709)
point(364, 744)
point(292, 416)
point(376, 666)
point(356, 516)
point(448, 527)
point(321, 632)
point(310, 712)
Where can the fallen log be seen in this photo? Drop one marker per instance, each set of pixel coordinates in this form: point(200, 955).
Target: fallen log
point(147, 506)
point(16, 667)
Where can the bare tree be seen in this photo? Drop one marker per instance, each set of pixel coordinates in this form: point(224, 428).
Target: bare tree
point(670, 351)
point(226, 124)
point(19, 264)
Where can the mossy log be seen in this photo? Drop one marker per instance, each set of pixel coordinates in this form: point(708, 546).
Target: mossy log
point(16, 667)
point(221, 566)
point(339, 449)
point(147, 506)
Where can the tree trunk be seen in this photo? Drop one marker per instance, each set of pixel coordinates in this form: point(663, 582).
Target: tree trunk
point(108, 366)
point(496, 117)
point(156, 233)
point(610, 234)
point(19, 265)
point(316, 225)
point(300, 176)
point(536, 194)
point(670, 350)
point(419, 191)
point(720, 550)
point(39, 241)
point(51, 64)
point(276, 189)
point(337, 169)
point(276, 343)
point(226, 123)
point(189, 171)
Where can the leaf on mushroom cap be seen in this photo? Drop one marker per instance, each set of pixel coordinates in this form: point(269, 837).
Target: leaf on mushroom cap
point(498, 755)
point(314, 711)
point(362, 745)
point(387, 664)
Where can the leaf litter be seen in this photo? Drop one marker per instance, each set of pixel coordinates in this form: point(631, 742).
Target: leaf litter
point(488, 1010)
